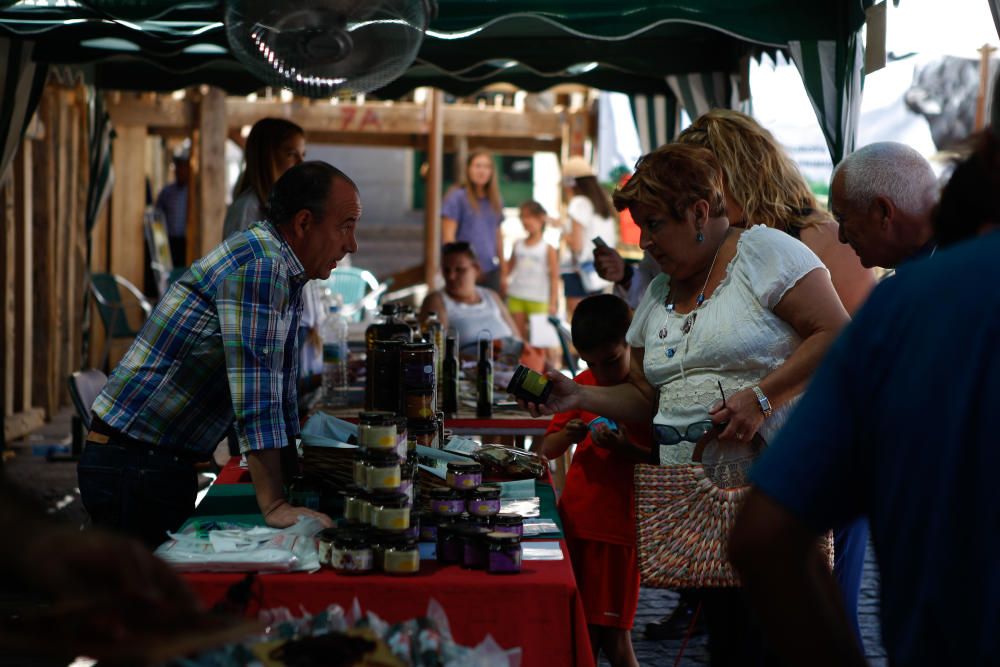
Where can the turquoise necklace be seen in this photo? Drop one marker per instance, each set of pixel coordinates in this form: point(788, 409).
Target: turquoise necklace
point(693, 315)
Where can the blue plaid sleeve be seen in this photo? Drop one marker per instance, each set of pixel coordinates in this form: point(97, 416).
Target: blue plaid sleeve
point(291, 391)
point(256, 317)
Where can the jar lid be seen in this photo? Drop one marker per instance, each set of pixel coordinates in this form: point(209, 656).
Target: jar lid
point(464, 466)
point(390, 500)
point(444, 494)
point(350, 540)
point(376, 417)
point(508, 520)
point(383, 457)
point(486, 492)
point(503, 538)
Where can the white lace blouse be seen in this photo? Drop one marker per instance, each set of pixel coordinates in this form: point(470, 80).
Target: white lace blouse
point(736, 338)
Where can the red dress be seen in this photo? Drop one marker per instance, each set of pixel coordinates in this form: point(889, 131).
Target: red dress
point(596, 508)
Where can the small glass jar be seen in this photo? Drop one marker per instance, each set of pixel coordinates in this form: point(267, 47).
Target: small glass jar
point(423, 432)
point(351, 554)
point(474, 547)
point(355, 502)
point(428, 526)
point(464, 475)
point(361, 468)
point(484, 501)
point(512, 524)
point(390, 511)
point(447, 502)
point(449, 544)
point(326, 539)
point(503, 553)
point(384, 473)
point(400, 557)
point(377, 430)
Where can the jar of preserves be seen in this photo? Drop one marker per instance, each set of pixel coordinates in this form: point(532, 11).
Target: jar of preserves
point(504, 553)
point(356, 505)
point(326, 538)
point(464, 475)
point(351, 554)
point(377, 430)
point(447, 502)
point(423, 432)
point(474, 547)
point(390, 511)
point(401, 557)
point(484, 501)
point(509, 523)
point(384, 473)
point(417, 362)
point(449, 544)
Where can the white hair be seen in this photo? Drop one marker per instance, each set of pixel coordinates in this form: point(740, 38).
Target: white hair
point(889, 169)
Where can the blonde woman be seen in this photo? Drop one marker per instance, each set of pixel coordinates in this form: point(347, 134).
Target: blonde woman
point(472, 212)
point(763, 186)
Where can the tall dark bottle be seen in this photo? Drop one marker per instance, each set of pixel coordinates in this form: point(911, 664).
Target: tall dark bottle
point(484, 379)
point(390, 328)
point(449, 378)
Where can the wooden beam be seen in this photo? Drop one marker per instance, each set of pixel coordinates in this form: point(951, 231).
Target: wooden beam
point(128, 203)
point(210, 174)
point(63, 170)
point(70, 232)
point(43, 233)
point(432, 204)
point(158, 113)
point(7, 282)
point(23, 311)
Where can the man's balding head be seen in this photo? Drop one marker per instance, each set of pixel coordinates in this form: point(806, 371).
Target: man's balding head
point(882, 195)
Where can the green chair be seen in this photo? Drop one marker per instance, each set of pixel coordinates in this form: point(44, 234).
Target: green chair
point(565, 342)
point(359, 290)
point(112, 309)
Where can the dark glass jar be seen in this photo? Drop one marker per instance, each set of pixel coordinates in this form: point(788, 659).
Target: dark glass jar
point(449, 544)
point(503, 553)
point(423, 432)
point(417, 362)
point(386, 386)
point(474, 547)
point(512, 524)
point(464, 476)
point(390, 328)
point(429, 526)
point(484, 501)
point(420, 403)
point(447, 502)
point(529, 385)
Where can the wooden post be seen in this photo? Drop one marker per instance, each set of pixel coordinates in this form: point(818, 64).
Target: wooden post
point(984, 85)
point(7, 281)
point(209, 175)
point(63, 166)
point(23, 325)
point(43, 232)
point(432, 206)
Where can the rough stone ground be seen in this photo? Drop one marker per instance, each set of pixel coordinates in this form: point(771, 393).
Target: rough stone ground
point(55, 485)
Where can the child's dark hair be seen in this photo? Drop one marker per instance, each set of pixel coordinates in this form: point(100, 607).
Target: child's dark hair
point(598, 320)
point(532, 207)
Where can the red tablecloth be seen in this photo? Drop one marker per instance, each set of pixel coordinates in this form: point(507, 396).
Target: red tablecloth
point(538, 610)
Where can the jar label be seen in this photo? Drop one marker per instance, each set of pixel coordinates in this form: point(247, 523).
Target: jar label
point(351, 560)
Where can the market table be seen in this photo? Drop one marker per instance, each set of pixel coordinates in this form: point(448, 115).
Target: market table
point(538, 610)
point(511, 421)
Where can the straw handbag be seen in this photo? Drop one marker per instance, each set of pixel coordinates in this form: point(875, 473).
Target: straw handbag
point(684, 518)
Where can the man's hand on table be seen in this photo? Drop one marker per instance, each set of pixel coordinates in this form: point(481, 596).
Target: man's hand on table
point(285, 514)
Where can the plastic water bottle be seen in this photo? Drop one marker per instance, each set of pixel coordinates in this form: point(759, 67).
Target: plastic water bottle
point(335, 358)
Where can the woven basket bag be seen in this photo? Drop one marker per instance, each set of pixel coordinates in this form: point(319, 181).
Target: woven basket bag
point(683, 521)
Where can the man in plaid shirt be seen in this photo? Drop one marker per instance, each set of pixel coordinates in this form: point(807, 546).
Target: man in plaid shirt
point(219, 350)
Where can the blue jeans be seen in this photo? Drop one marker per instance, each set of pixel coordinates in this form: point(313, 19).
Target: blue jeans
point(139, 491)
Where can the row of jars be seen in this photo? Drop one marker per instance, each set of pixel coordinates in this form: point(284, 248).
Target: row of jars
point(385, 431)
point(360, 550)
point(478, 547)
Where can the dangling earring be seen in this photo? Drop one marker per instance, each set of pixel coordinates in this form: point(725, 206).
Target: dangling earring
point(700, 237)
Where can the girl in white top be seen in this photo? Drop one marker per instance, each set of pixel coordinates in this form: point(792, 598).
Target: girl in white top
point(591, 215)
point(534, 271)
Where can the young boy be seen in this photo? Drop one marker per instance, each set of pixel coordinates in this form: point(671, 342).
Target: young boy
point(596, 503)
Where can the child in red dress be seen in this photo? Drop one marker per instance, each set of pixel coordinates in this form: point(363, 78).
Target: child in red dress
point(596, 502)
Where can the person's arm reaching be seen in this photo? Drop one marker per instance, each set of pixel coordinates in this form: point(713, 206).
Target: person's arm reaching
point(554, 281)
point(449, 229)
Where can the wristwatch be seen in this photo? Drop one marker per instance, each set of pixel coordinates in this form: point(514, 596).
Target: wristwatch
point(765, 405)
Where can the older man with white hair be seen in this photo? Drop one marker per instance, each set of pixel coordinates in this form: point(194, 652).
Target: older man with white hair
point(882, 196)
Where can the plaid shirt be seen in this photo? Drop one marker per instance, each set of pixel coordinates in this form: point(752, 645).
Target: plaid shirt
point(220, 346)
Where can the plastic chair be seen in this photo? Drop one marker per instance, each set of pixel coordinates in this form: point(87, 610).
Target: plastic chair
point(565, 342)
point(84, 386)
point(359, 290)
point(111, 307)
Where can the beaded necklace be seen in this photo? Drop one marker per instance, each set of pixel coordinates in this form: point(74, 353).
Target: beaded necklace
point(693, 315)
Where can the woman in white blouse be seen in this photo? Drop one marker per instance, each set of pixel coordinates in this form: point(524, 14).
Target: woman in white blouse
point(751, 309)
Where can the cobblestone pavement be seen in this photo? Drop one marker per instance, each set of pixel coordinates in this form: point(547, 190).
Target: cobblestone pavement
point(55, 483)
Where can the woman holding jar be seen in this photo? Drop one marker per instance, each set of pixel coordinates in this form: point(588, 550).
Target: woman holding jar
point(751, 310)
point(473, 212)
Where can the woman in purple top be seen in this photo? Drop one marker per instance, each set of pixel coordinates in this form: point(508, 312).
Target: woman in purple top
point(472, 212)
